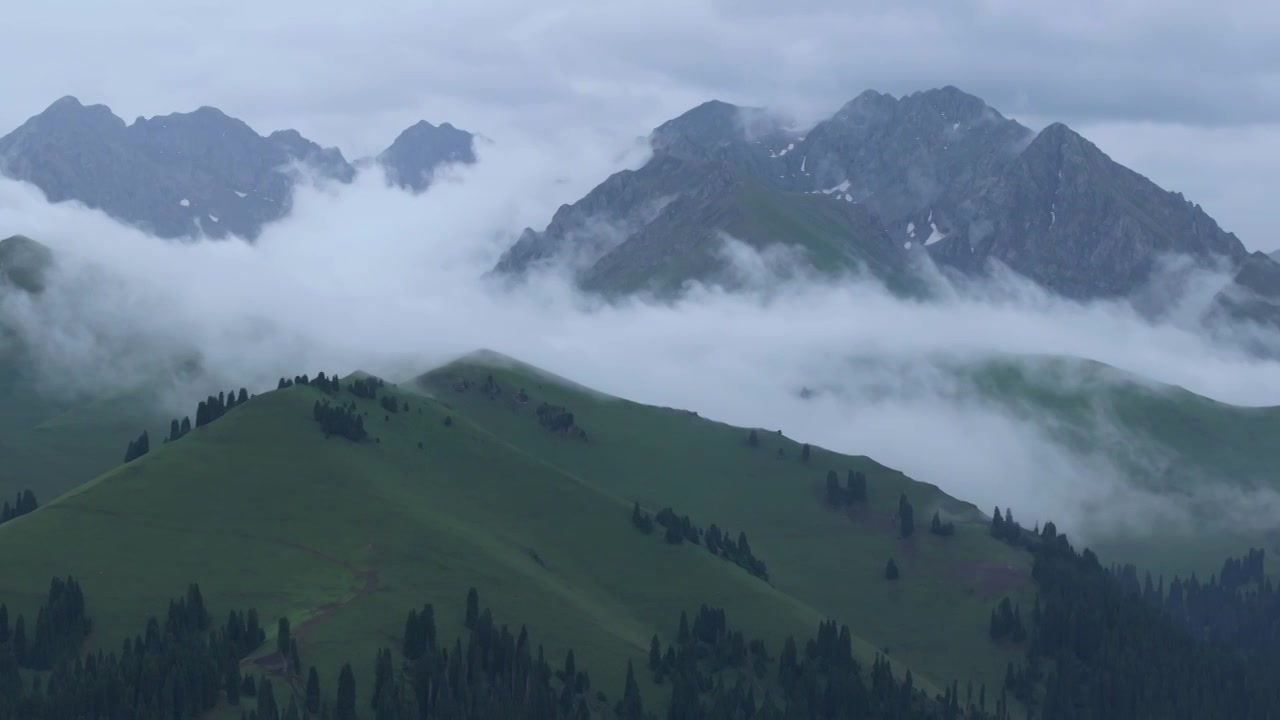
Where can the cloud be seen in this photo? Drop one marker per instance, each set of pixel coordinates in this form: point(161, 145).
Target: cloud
point(355, 77)
point(367, 277)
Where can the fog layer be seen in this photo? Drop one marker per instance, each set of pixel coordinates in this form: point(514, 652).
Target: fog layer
point(367, 277)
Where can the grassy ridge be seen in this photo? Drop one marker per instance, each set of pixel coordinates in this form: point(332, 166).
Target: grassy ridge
point(1207, 457)
point(934, 618)
point(345, 538)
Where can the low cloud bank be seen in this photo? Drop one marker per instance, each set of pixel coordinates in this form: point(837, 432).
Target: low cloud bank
point(368, 277)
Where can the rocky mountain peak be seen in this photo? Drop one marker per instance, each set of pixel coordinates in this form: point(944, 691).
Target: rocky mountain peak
point(421, 148)
point(182, 174)
point(69, 115)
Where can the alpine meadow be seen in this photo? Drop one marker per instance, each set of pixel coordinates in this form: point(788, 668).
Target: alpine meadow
point(630, 362)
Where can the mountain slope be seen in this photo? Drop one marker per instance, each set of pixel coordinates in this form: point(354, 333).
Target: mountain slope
point(263, 511)
point(666, 224)
point(830, 560)
point(1067, 216)
point(939, 170)
point(1205, 459)
point(176, 175)
point(1253, 295)
point(52, 439)
point(377, 529)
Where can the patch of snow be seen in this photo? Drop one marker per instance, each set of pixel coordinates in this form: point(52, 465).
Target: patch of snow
point(842, 187)
point(907, 244)
point(786, 149)
point(955, 126)
point(848, 197)
point(803, 160)
point(934, 236)
point(241, 194)
point(213, 218)
point(184, 202)
point(931, 216)
point(1053, 215)
point(911, 229)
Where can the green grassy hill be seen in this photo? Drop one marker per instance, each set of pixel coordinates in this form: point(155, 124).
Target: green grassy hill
point(50, 443)
point(1204, 455)
point(826, 558)
point(684, 243)
point(263, 511)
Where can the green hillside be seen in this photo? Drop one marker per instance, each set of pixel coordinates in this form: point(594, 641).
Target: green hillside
point(685, 242)
point(1205, 455)
point(262, 510)
point(51, 442)
point(658, 456)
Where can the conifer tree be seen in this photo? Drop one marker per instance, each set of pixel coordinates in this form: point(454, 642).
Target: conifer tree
point(313, 691)
point(473, 608)
point(891, 570)
point(906, 517)
point(282, 639)
point(345, 707)
point(833, 488)
point(804, 453)
point(752, 439)
point(630, 707)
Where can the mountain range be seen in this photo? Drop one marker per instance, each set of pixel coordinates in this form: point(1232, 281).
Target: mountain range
point(938, 173)
point(197, 173)
point(880, 185)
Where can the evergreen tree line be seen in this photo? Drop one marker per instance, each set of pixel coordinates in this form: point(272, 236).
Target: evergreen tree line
point(1005, 527)
point(555, 418)
point(937, 527)
point(1006, 621)
point(61, 626)
point(1100, 650)
point(715, 673)
point(366, 388)
point(854, 491)
point(341, 420)
point(208, 410)
point(389, 404)
point(1239, 606)
point(489, 673)
point(24, 503)
point(319, 382)
point(177, 669)
point(137, 448)
point(679, 528)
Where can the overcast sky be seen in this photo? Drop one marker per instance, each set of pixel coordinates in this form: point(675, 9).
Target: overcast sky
point(1185, 92)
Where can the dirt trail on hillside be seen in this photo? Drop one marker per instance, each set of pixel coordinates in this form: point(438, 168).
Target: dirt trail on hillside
point(273, 663)
point(367, 578)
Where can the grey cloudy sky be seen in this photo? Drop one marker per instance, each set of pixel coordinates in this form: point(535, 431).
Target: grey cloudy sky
point(1185, 92)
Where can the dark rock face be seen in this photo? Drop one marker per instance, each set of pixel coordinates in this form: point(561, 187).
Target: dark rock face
point(939, 170)
point(1254, 294)
point(614, 210)
point(1072, 219)
point(24, 263)
point(417, 152)
point(177, 175)
point(659, 227)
